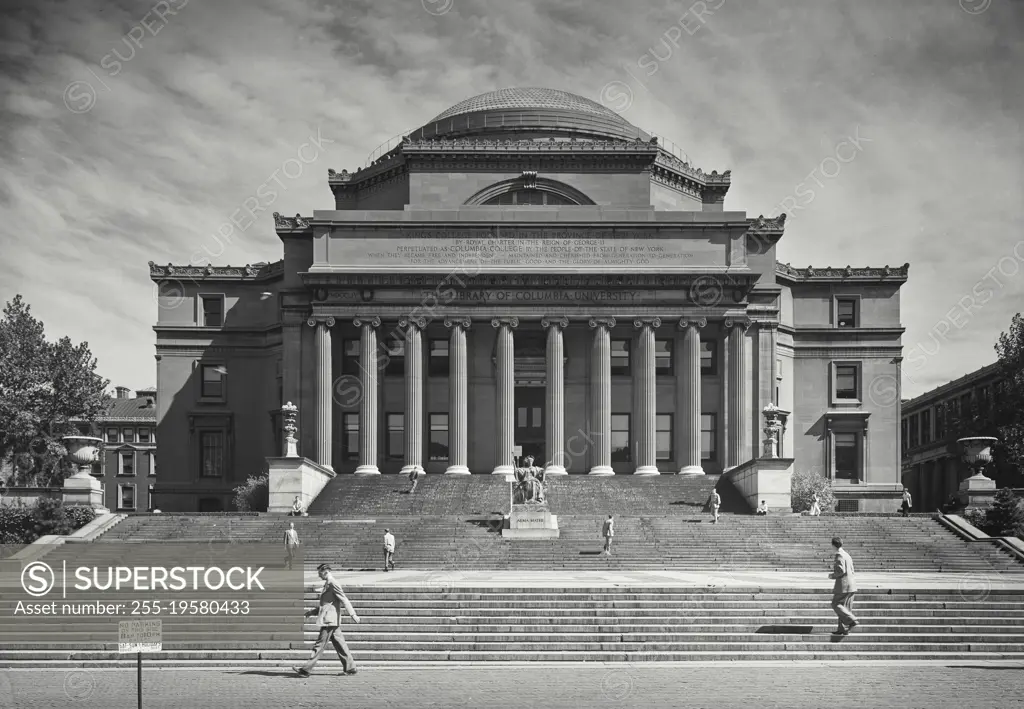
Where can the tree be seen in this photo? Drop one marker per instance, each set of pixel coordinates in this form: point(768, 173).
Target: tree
point(1008, 409)
point(1005, 518)
point(43, 386)
point(804, 485)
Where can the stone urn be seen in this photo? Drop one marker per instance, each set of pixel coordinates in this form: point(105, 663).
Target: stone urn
point(977, 490)
point(82, 488)
point(83, 451)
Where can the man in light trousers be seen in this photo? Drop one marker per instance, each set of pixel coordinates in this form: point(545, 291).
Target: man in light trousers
point(844, 590)
point(329, 620)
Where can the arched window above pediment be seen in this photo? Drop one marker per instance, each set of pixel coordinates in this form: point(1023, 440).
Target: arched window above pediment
point(529, 190)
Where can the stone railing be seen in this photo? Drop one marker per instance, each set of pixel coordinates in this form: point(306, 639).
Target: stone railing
point(768, 479)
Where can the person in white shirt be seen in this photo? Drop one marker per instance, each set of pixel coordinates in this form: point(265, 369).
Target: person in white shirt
point(389, 550)
point(762, 509)
point(291, 543)
point(609, 532)
point(907, 502)
point(298, 509)
point(716, 501)
point(815, 506)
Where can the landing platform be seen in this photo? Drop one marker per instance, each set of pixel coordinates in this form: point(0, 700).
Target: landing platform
point(972, 585)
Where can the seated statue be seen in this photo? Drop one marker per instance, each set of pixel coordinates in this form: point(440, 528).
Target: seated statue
point(529, 487)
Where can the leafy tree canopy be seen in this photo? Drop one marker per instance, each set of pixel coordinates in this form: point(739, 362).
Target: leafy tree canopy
point(44, 385)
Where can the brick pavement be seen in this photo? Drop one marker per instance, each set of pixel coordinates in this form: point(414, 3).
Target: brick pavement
point(769, 685)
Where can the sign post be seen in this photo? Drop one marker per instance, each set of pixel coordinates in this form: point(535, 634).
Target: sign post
point(139, 636)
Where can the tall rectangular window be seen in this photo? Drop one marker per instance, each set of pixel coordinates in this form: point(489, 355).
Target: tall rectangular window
point(663, 360)
point(438, 358)
point(213, 310)
point(112, 434)
point(847, 458)
point(915, 431)
point(621, 449)
point(926, 426)
point(129, 435)
point(620, 356)
point(143, 435)
point(127, 466)
point(350, 357)
point(394, 348)
point(350, 436)
point(127, 493)
point(211, 452)
point(663, 437)
point(708, 357)
point(940, 421)
point(396, 436)
point(846, 381)
point(213, 381)
point(846, 312)
point(708, 436)
point(438, 437)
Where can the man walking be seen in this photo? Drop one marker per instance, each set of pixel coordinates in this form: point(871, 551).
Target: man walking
point(715, 501)
point(844, 589)
point(389, 550)
point(907, 502)
point(291, 543)
point(414, 478)
point(609, 532)
point(329, 620)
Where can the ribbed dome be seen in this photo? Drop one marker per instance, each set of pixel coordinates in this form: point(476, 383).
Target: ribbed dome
point(529, 98)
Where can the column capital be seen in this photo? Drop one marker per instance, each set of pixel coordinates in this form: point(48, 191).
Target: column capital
point(742, 323)
point(558, 321)
point(457, 321)
point(371, 320)
point(418, 323)
point(641, 323)
point(512, 322)
point(693, 322)
point(315, 320)
point(602, 322)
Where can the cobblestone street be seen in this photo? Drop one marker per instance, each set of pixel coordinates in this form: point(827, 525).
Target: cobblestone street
point(768, 685)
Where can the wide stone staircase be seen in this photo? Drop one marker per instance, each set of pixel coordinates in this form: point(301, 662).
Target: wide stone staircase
point(441, 625)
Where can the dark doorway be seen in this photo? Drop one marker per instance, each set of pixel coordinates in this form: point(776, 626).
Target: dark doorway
point(530, 423)
point(211, 504)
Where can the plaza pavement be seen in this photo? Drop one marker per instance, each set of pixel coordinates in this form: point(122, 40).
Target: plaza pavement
point(766, 685)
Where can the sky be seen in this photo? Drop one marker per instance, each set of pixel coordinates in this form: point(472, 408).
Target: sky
point(130, 131)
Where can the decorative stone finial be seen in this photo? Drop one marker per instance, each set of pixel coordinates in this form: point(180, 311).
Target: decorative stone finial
point(291, 412)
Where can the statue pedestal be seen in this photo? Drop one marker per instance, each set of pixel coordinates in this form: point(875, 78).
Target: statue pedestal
point(84, 491)
point(977, 491)
point(531, 522)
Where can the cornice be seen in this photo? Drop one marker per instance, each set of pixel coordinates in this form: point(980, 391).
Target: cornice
point(842, 333)
point(842, 275)
point(248, 272)
point(292, 225)
point(402, 280)
point(817, 351)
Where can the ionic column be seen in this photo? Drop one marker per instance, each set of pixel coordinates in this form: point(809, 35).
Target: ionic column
point(601, 395)
point(506, 391)
point(688, 382)
point(739, 410)
point(413, 393)
point(368, 386)
point(458, 397)
point(646, 409)
point(324, 390)
point(555, 425)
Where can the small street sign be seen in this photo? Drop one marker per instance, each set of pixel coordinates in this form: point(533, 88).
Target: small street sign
point(139, 636)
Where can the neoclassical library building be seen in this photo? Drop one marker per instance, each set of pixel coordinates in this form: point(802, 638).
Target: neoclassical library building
point(527, 274)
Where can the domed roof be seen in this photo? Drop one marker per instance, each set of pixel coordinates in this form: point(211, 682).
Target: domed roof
point(516, 98)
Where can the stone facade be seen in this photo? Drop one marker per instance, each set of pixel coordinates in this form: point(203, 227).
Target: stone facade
point(475, 263)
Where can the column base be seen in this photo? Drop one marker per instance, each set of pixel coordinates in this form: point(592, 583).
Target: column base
point(555, 470)
point(692, 470)
point(457, 470)
point(408, 469)
point(367, 470)
point(505, 469)
point(601, 470)
point(647, 470)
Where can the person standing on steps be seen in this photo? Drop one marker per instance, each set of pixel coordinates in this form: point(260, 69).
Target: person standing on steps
point(608, 532)
point(844, 590)
point(907, 502)
point(329, 620)
point(389, 550)
point(815, 506)
point(715, 501)
point(291, 543)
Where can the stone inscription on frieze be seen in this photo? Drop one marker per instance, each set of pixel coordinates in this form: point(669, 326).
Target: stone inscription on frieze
point(519, 251)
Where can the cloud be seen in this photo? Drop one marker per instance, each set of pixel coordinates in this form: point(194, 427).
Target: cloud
point(207, 103)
